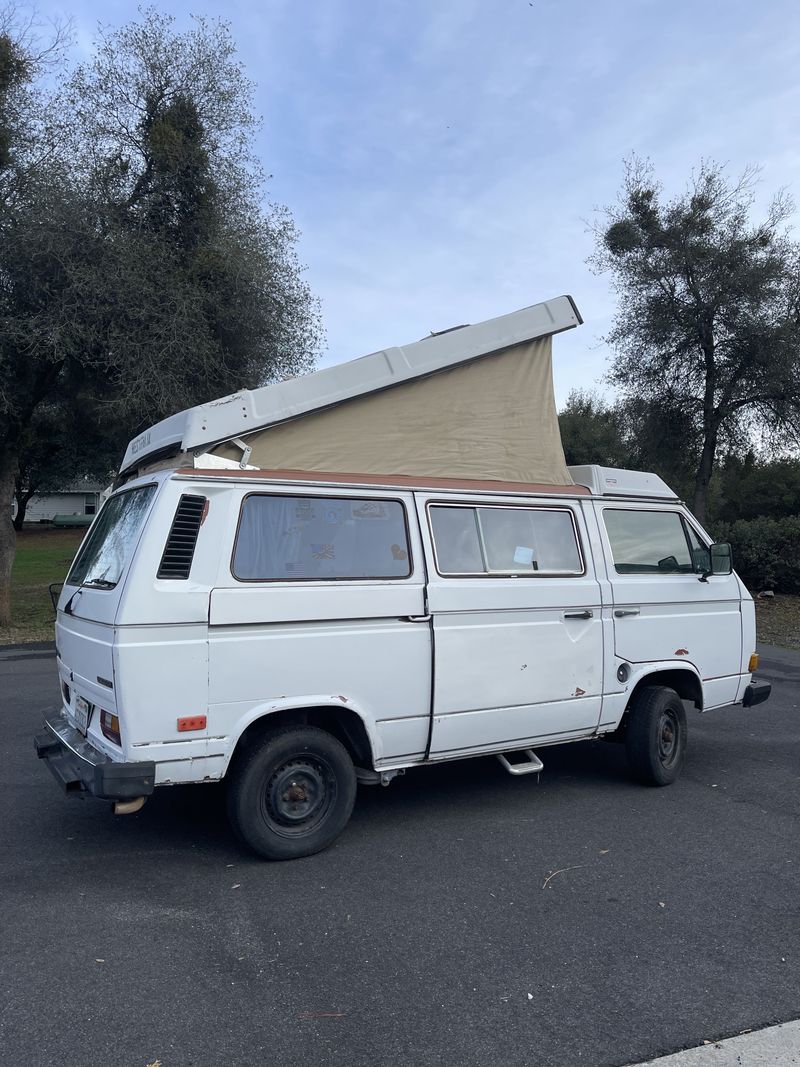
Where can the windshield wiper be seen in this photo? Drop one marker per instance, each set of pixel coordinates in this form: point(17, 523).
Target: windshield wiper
point(99, 583)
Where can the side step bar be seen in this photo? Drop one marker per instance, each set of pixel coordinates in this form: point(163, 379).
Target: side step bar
point(530, 765)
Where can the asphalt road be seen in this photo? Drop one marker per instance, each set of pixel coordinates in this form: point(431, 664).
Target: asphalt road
point(426, 935)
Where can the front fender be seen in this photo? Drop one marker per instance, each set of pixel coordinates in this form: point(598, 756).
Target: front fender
point(640, 671)
point(655, 672)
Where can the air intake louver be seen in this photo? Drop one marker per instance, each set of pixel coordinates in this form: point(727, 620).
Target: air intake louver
point(179, 550)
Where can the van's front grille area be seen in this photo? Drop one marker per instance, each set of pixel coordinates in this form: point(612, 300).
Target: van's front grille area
point(176, 561)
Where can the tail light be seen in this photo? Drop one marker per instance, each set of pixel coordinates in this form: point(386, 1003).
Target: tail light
point(109, 724)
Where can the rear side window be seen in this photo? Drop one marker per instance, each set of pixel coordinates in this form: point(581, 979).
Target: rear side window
point(649, 542)
point(291, 538)
point(505, 541)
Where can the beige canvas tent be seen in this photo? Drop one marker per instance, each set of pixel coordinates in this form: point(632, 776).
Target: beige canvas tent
point(472, 403)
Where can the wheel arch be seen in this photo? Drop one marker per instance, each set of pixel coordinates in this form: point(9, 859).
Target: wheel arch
point(340, 720)
point(685, 682)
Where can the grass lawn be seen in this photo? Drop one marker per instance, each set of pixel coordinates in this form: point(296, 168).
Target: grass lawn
point(43, 556)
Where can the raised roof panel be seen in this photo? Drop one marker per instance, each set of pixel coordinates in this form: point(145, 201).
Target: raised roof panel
point(206, 425)
point(615, 481)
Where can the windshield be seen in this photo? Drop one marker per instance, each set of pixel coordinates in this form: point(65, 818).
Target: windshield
point(111, 540)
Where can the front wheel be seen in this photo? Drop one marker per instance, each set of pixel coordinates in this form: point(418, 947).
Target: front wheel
point(655, 735)
point(292, 795)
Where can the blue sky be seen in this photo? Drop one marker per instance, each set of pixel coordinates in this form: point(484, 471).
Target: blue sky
point(444, 159)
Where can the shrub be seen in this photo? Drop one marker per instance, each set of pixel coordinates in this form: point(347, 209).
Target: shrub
point(766, 552)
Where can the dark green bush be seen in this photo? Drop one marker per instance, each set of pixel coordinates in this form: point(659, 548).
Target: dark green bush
point(766, 552)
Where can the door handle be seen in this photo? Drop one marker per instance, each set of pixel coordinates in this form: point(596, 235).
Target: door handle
point(621, 613)
point(586, 614)
point(416, 618)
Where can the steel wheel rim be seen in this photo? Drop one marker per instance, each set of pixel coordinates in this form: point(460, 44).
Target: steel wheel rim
point(299, 796)
point(668, 737)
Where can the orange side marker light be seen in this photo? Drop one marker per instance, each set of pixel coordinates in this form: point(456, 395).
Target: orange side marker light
point(191, 722)
point(753, 664)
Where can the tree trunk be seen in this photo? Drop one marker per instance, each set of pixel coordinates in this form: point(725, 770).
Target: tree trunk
point(23, 498)
point(703, 476)
point(8, 537)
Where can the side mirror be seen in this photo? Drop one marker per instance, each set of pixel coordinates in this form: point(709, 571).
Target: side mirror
point(55, 592)
point(721, 558)
point(714, 560)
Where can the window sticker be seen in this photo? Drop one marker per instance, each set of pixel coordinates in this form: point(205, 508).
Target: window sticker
point(334, 516)
point(370, 509)
point(523, 555)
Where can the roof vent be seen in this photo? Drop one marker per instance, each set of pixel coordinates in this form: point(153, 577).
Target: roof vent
point(179, 549)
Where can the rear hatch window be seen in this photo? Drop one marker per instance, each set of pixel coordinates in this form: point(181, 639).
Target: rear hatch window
point(112, 539)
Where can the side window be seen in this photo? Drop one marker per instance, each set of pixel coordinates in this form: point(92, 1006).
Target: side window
point(458, 543)
point(529, 539)
point(504, 541)
point(290, 538)
point(648, 542)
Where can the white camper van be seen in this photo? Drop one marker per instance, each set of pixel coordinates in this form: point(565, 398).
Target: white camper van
point(295, 630)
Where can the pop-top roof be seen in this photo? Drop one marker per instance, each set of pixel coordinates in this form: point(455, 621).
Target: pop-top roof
point(202, 427)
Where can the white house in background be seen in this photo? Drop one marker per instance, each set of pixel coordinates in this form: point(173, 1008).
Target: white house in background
point(81, 499)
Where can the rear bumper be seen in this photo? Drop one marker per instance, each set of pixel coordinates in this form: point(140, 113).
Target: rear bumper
point(80, 768)
point(756, 693)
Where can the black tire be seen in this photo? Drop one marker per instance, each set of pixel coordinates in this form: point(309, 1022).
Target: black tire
point(293, 794)
point(655, 737)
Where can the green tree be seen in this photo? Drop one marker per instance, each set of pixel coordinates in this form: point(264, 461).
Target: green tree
point(591, 431)
point(40, 227)
point(161, 135)
point(750, 488)
point(708, 319)
point(66, 442)
point(636, 433)
point(661, 437)
point(141, 268)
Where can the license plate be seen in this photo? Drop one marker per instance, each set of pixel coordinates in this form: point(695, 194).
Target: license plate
point(81, 714)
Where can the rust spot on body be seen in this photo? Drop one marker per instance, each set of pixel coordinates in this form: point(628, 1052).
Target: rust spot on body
point(681, 651)
point(579, 692)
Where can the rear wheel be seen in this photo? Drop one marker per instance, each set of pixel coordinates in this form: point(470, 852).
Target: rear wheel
point(292, 795)
point(655, 736)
